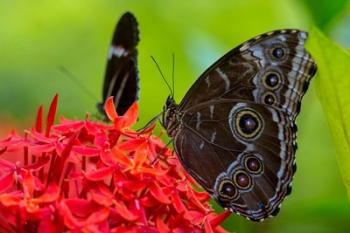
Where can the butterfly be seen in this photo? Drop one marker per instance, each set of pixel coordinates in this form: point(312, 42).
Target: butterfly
point(121, 77)
point(234, 131)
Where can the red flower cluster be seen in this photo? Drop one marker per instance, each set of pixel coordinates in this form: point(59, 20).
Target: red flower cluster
point(84, 176)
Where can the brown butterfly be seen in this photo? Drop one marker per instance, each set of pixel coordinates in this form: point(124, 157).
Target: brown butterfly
point(234, 131)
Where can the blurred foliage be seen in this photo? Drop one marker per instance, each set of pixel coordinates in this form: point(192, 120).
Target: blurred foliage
point(324, 11)
point(333, 85)
point(37, 37)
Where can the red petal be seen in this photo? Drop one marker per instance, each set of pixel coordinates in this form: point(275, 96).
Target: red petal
point(12, 142)
point(132, 114)
point(162, 227)
point(39, 120)
point(177, 202)
point(167, 180)
point(110, 109)
point(80, 207)
point(86, 151)
point(99, 174)
point(194, 217)
point(152, 171)
point(45, 148)
point(40, 138)
point(98, 216)
point(51, 115)
point(187, 229)
point(153, 148)
point(118, 156)
point(96, 127)
point(193, 198)
point(51, 194)
point(3, 150)
point(149, 201)
point(7, 165)
point(158, 194)
point(129, 118)
point(123, 211)
point(49, 226)
point(101, 140)
point(69, 220)
point(216, 220)
point(10, 200)
point(56, 173)
point(6, 181)
point(202, 196)
point(140, 157)
point(102, 196)
point(39, 213)
point(136, 185)
point(69, 126)
point(108, 158)
point(207, 227)
point(29, 183)
point(131, 144)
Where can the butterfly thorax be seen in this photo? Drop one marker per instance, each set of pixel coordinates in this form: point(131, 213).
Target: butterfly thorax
point(170, 118)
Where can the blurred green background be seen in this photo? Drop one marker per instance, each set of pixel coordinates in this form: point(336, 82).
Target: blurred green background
point(38, 37)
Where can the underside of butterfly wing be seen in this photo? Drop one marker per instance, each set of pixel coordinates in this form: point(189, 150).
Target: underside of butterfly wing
point(240, 152)
point(272, 69)
point(235, 130)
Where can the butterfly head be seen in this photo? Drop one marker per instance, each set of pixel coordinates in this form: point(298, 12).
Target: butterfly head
point(170, 117)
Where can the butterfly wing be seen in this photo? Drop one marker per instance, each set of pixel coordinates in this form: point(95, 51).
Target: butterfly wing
point(251, 72)
point(238, 139)
point(121, 77)
point(215, 151)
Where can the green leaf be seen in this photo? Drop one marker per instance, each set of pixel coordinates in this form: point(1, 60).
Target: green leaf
point(333, 90)
point(324, 12)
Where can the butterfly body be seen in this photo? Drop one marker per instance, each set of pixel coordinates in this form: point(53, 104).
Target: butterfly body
point(234, 131)
point(121, 78)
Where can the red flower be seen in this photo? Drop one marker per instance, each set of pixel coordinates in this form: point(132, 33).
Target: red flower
point(84, 176)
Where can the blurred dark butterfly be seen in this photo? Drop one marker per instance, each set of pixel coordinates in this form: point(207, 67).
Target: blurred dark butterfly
point(234, 131)
point(121, 77)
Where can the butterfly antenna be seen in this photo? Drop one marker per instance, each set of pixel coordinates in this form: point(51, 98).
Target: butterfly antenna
point(161, 73)
point(77, 82)
point(173, 75)
point(150, 123)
